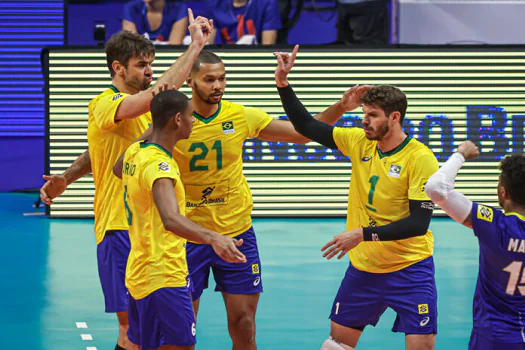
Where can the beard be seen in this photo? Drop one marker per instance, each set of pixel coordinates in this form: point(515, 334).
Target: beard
point(379, 132)
point(137, 84)
point(203, 96)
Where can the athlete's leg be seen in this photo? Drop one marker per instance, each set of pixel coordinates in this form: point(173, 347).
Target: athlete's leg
point(411, 293)
point(358, 303)
point(420, 341)
point(241, 285)
point(112, 256)
point(345, 335)
point(241, 309)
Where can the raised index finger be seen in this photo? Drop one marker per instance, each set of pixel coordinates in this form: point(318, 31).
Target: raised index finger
point(294, 53)
point(190, 16)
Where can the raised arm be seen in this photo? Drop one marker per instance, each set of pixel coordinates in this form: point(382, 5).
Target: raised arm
point(138, 104)
point(312, 128)
point(56, 184)
point(167, 205)
point(440, 186)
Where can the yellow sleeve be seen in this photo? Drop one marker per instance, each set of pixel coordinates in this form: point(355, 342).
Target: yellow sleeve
point(159, 169)
point(105, 110)
point(422, 167)
point(257, 120)
point(347, 139)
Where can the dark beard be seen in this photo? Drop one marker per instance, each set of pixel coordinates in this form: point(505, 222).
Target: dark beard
point(381, 132)
point(201, 95)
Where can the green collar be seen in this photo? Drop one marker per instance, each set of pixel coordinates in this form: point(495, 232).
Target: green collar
point(145, 144)
point(112, 87)
point(210, 118)
point(395, 150)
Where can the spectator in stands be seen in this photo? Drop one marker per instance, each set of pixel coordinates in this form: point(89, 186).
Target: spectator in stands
point(160, 21)
point(244, 21)
point(362, 21)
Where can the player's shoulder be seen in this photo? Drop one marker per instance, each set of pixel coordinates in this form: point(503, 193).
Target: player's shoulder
point(232, 107)
point(229, 109)
point(418, 149)
point(355, 133)
point(110, 94)
point(487, 214)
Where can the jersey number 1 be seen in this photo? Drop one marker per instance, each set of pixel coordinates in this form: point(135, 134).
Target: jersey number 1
point(217, 146)
point(514, 270)
point(373, 183)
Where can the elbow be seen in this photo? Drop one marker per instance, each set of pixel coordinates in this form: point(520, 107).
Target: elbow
point(172, 224)
point(117, 171)
point(420, 230)
point(435, 189)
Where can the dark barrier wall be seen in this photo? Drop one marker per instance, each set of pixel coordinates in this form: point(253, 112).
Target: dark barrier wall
point(26, 27)
point(311, 28)
point(454, 95)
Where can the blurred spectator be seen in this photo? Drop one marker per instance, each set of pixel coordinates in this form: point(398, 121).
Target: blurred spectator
point(244, 21)
point(362, 21)
point(158, 20)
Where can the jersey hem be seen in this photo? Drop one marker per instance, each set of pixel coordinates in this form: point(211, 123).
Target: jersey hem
point(111, 228)
point(381, 271)
point(154, 289)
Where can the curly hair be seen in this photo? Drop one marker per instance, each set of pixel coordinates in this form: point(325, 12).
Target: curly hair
point(388, 98)
point(513, 177)
point(125, 45)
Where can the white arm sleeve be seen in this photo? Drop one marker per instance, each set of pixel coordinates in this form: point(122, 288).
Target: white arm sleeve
point(440, 188)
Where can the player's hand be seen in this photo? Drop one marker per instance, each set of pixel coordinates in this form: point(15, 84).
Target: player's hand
point(352, 98)
point(164, 87)
point(200, 28)
point(468, 150)
point(55, 185)
point(342, 243)
point(226, 248)
point(285, 62)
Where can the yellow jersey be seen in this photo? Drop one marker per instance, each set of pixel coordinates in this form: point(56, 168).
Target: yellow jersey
point(380, 189)
point(107, 140)
point(217, 193)
point(158, 257)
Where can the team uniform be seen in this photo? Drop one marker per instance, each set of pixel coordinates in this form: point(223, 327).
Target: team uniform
point(218, 197)
point(107, 141)
point(396, 274)
point(499, 299)
point(233, 23)
point(160, 308)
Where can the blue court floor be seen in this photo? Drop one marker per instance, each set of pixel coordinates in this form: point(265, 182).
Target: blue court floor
point(50, 282)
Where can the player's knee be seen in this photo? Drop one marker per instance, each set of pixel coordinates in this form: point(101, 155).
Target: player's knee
point(332, 344)
point(243, 326)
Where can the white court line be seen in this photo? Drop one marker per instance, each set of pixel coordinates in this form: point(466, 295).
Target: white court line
point(91, 348)
point(81, 324)
point(86, 337)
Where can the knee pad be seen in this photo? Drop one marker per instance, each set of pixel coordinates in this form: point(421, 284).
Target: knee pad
point(332, 344)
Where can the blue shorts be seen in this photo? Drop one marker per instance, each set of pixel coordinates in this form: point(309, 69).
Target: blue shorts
point(165, 317)
point(232, 278)
point(479, 342)
point(112, 256)
point(410, 292)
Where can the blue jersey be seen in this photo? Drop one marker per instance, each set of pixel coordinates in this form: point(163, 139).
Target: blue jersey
point(499, 300)
point(135, 11)
point(233, 23)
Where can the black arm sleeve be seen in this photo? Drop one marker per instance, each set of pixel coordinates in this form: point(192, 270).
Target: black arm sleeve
point(416, 224)
point(303, 121)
